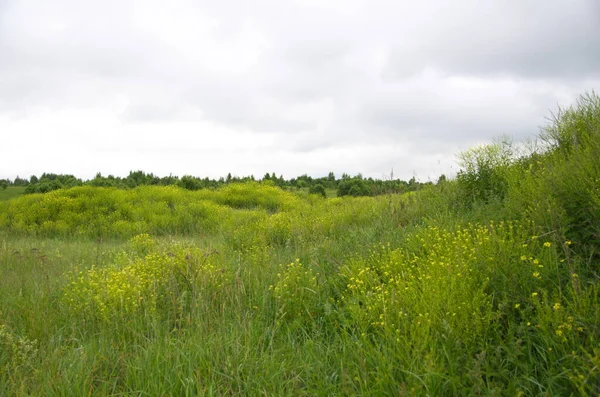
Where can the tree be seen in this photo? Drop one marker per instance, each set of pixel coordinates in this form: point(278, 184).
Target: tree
point(190, 183)
point(20, 182)
point(3, 184)
point(352, 187)
point(317, 189)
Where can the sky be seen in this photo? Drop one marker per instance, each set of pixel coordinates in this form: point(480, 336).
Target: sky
point(207, 88)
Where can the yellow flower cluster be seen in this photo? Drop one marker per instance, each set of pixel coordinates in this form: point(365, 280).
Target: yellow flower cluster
point(435, 282)
point(296, 291)
point(137, 282)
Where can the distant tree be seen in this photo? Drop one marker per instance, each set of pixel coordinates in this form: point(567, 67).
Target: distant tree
point(280, 181)
point(3, 184)
point(20, 182)
point(33, 179)
point(317, 189)
point(101, 181)
point(413, 184)
point(190, 183)
point(352, 187)
point(168, 180)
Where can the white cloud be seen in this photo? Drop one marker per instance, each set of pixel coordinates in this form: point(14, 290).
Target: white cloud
point(206, 88)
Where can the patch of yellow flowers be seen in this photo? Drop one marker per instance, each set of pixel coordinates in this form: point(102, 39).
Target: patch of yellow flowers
point(140, 278)
point(296, 291)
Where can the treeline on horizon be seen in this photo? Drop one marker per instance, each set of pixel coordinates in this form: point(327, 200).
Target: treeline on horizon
point(345, 186)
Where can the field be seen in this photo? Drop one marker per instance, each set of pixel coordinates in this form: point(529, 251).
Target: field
point(11, 192)
point(482, 285)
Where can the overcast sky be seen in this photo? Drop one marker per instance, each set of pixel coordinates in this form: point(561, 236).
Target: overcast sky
point(308, 86)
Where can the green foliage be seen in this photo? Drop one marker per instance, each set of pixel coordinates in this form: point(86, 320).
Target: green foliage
point(352, 187)
point(49, 182)
point(317, 189)
point(20, 181)
point(483, 172)
point(156, 282)
point(483, 285)
point(11, 192)
point(190, 183)
point(17, 353)
point(559, 187)
point(110, 212)
point(297, 293)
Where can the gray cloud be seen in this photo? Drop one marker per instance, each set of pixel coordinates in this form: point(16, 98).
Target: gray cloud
point(306, 86)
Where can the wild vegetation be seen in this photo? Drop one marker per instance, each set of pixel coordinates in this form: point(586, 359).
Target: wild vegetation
point(345, 186)
point(486, 284)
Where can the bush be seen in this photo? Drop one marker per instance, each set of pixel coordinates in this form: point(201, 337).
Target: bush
point(559, 188)
point(317, 189)
point(483, 172)
point(352, 187)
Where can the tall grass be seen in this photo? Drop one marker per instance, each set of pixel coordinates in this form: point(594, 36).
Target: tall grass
point(11, 192)
point(484, 285)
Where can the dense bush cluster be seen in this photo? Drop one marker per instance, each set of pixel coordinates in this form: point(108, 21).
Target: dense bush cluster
point(347, 185)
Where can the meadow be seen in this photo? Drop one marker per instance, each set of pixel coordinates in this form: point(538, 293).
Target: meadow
point(11, 192)
point(486, 284)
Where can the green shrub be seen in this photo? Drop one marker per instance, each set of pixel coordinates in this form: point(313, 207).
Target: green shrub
point(483, 172)
point(352, 187)
point(559, 188)
point(317, 189)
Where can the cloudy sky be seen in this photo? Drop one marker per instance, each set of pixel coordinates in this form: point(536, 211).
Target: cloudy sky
point(305, 86)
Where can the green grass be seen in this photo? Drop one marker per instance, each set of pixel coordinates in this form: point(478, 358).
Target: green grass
point(486, 285)
point(11, 192)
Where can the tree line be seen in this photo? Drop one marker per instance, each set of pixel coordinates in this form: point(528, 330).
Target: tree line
point(346, 185)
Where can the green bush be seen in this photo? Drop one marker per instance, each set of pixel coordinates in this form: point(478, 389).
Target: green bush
point(317, 189)
point(483, 172)
point(559, 188)
point(352, 187)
